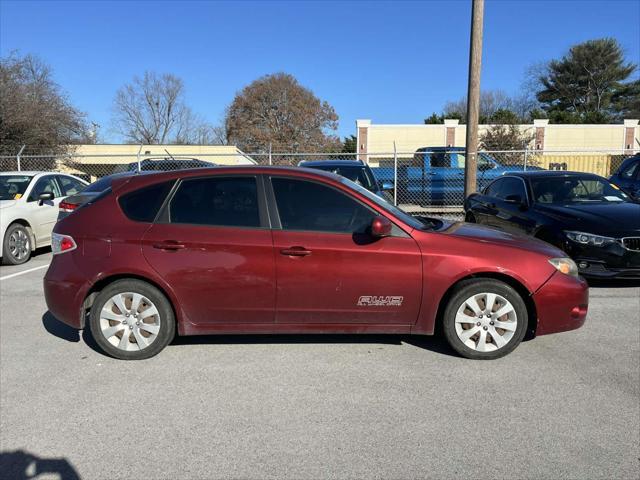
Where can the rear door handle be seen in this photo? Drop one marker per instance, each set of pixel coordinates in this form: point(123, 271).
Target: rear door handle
point(295, 252)
point(169, 245)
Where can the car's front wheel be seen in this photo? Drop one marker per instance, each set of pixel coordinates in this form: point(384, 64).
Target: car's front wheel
point(485, 319)
point(16, 248)
point(131, 320)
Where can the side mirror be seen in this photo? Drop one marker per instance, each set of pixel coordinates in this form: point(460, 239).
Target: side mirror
point(515, 199)
point(381, 227)
point(45, 197)
point(483, 167)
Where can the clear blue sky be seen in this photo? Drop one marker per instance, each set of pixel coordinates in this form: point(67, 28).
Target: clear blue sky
point(392, 62)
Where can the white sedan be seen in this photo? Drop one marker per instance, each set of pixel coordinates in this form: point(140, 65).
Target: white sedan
point(29, 210)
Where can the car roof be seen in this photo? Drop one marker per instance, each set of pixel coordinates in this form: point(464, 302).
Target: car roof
point(551, 173)
point(24, 172)
point(331, 163)
point(440, 149)
point(237, 170)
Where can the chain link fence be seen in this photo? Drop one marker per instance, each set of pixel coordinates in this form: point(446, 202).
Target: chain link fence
point(429, 181)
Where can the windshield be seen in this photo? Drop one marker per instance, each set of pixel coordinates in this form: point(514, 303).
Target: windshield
point(12, 187)
point(565, 189)
point(359, 175)
point(382, 203)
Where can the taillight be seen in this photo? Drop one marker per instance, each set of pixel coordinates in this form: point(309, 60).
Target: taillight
point(62, 243)
point(68, 206)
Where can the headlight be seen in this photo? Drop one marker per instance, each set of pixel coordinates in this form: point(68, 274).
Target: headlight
point(565, 265)
point(589, 239)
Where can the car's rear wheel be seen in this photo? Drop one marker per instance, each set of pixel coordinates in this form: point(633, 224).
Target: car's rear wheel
point(16, 248)
point(470, 218)
point(131, 320)
point(485, 319)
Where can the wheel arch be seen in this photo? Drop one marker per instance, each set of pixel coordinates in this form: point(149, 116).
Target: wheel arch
point(101, 284)
point(24, 223)
point(525, 294)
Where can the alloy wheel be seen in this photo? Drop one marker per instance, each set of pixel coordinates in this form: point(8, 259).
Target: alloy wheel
point(486, 322)
point(19, 245)
point(130, 321)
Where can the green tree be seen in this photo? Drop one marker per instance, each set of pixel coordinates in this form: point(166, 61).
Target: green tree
point(350, 144)
point(434, 119)
point(626, 101)
point(582, 85)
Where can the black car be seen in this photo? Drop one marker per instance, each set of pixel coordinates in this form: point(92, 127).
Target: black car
point(627, 176)
point(167, 164)
point(586, 215)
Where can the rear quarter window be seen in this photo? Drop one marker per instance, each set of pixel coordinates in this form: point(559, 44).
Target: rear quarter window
point(142, 205)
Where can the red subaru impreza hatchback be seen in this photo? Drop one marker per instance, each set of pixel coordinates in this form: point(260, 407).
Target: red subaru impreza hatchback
point(293, 250)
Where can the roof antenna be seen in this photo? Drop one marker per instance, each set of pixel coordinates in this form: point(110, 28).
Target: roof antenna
point(170, 155)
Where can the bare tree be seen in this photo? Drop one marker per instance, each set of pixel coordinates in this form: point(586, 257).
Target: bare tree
point(491, 102)
point(152, 110)
point(34, 111)
point(276, 110)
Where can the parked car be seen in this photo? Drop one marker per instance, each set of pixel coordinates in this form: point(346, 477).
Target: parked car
point(436, 175)
point(627, 176)
point(29, 209)
point(585, 215)
point(355, 170)
point(167, 164)
point(73, 202)
point(292, 250)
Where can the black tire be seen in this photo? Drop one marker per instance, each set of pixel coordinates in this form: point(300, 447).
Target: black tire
point(24, 235)
point(467, 289)
point(470, 218)
point(156, 297)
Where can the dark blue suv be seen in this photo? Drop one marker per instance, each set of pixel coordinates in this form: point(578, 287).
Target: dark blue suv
point(627, 177)
point(355, 170)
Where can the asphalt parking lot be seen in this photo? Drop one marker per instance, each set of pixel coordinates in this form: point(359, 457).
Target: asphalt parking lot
point(560, 406)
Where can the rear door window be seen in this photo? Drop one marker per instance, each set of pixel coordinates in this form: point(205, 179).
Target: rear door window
point(216, 201)
point(70, 186)
point(142, 205)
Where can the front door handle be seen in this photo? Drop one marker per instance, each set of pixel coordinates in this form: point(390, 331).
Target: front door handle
point(295, 252)
point(169, 245)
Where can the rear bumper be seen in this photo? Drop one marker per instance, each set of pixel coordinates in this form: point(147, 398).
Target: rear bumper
point(65, 289)
point(561, 304)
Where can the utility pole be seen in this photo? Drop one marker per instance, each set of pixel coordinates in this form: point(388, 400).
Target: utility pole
point(473, 97)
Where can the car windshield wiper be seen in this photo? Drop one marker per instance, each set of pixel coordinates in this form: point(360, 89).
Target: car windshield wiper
point(429, 223)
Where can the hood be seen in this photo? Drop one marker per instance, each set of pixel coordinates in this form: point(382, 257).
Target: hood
point(7, 203)
point(611, 218)
point(483, 234)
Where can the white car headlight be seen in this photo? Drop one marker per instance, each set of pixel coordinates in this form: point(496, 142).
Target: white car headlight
point(565, 265)
point(589, 239)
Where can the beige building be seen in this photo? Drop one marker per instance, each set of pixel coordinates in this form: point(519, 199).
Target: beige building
point(100, 159)
point(379, 140)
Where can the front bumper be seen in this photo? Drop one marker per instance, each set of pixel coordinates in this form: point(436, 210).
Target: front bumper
point(610, 261)
point(561, 304)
